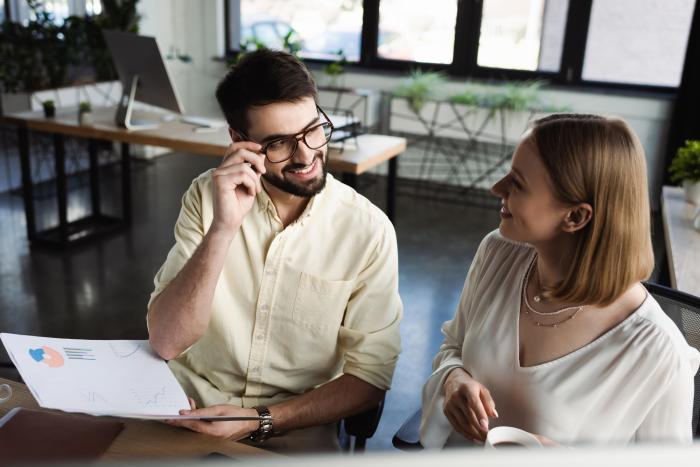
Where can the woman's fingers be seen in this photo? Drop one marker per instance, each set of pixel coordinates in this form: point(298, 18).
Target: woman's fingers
point(475, 403)
point(488, 402)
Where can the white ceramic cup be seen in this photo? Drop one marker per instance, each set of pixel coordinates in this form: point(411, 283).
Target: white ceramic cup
point(508, 435)
point(5, 393)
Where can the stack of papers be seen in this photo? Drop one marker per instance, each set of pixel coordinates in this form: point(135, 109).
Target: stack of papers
point(122, 378)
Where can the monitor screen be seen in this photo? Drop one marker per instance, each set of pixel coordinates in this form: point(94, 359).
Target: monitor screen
point(135, 55)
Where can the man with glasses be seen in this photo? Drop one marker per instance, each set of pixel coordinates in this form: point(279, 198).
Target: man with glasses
point(280, 296)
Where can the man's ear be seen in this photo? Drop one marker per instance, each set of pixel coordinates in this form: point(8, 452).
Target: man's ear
point(577, 217)
point(235, 135)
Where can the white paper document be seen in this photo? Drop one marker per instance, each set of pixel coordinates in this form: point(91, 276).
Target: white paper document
point(123, 378)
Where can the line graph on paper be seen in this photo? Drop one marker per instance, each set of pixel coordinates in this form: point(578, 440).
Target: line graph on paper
point(154, 397)
point(125, 349)
point(93, 397)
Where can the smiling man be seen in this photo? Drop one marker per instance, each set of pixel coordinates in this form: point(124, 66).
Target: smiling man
point(280, 295)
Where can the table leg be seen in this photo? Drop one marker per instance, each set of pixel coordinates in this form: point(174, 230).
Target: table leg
point(391, 188)
point(126, 183)
point(27, 187)
point(61, 187)
point(94, 177)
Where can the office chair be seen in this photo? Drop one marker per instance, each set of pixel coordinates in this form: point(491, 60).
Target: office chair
point(360, 428)
point(682, 308)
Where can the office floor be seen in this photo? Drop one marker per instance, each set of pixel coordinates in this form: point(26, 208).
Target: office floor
point(99, 290)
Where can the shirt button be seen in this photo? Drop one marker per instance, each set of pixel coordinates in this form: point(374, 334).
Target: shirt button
point(264, 308)
point(259, 337)
point(271, 272)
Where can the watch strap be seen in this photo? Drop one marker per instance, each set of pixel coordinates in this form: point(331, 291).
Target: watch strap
point(264, 431)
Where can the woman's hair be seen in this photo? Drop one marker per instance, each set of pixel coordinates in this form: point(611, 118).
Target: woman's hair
point(599, 161)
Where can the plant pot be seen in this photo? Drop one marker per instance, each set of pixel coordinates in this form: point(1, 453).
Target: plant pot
point(49, 112)
point(692, 191)
point(85, 118)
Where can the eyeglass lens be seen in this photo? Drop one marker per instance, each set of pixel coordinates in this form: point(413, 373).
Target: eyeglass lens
point(315, 138)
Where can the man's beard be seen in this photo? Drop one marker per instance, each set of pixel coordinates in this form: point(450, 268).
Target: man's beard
point(305, 189)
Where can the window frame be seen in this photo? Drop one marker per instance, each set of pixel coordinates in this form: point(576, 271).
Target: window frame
point(465, 50)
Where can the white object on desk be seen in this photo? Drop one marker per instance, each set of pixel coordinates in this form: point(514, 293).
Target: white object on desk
point(204, 122)
point(682, 240)
point(508, 435)
point(118, 377)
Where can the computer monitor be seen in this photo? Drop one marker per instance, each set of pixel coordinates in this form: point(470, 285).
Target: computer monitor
point(143, 75)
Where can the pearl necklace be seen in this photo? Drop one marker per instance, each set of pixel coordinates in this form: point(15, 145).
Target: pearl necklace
point(537, 298)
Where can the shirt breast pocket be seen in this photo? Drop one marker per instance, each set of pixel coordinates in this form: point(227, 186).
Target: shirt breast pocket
point(320, 303)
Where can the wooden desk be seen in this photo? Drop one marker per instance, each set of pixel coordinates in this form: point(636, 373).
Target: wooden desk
point(142, 439)
point(682, 241)
point(371, 151)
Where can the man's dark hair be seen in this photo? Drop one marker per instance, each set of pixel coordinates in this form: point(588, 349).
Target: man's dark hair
point(259, 78)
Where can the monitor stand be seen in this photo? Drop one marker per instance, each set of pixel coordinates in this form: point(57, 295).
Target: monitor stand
point(125, 108)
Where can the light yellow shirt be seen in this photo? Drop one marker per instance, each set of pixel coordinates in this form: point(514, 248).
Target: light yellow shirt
point(294, 307)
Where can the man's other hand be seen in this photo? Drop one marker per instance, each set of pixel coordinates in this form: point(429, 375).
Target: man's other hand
point(228, 430)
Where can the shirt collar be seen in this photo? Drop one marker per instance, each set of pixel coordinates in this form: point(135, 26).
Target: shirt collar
point(264, 202)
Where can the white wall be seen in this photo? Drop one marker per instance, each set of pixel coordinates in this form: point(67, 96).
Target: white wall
point(196, 27)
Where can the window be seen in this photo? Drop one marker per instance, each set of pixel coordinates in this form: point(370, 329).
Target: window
point(93, 7)
point(408, 32)
point(57, 8)
point(18, 10)
point(321, 29)
point(2, 11)
point(630, 44)
point(637, 41)
point(522, 34)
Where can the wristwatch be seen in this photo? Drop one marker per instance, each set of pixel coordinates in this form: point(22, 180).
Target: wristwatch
point(264, 431)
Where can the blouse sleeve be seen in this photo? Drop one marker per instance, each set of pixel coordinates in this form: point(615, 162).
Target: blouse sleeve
point(435, 428)
point(670, 418)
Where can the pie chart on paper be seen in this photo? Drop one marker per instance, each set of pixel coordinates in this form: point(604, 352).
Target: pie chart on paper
point(47, 355)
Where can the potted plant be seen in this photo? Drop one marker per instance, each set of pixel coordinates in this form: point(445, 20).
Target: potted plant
point(49, 108)
point(685, 169)
point(336, 69)
point(85, 113)
point(420, 87)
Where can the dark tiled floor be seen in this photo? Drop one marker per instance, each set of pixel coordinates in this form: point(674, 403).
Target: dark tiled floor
point(100, 290)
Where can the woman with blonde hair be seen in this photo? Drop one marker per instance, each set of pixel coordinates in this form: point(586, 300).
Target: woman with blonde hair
point(554, 332)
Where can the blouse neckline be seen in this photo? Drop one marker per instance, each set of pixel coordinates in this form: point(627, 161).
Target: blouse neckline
point(594, 343)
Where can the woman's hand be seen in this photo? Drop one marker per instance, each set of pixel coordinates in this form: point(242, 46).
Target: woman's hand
point(229, 430)
point(468, 405)
point(546, 442)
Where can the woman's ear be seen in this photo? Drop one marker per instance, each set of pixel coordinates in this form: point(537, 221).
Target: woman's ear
point(577, 217)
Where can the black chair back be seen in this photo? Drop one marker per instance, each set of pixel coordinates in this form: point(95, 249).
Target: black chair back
point(684, 310)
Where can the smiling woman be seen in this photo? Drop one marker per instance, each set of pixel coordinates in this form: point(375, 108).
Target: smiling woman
point(554, 333)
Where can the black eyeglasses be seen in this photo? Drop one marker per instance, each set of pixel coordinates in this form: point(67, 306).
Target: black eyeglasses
point(282, 149)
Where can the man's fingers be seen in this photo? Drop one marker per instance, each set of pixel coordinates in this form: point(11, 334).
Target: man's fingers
point(249, 145)
point(245, 178)
point(193, 404)
point(239, 155)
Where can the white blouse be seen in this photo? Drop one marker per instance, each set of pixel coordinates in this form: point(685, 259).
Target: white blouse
point(633, 383)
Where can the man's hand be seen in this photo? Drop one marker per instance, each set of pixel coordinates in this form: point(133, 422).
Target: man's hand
point(468, 405)
point(235, 183)
point(228, 430)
